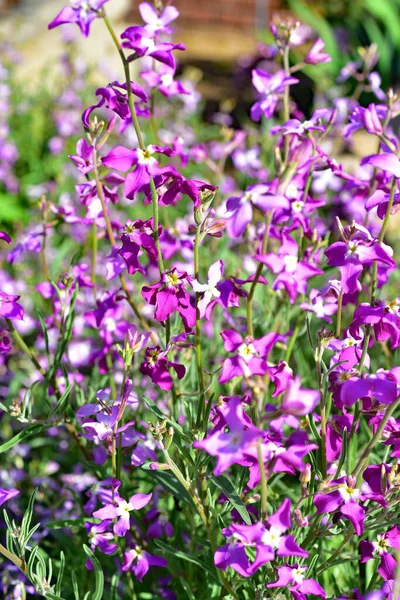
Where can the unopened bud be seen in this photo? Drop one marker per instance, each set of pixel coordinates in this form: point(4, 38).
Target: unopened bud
point(169, 437)
point(299, 519)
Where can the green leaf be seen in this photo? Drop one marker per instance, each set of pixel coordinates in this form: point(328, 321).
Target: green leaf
point(388, 15)
point(98, 573)
point(27, 518)
point(186, 557)
point(44, 331)
point(60, 573)
point(185, 585)
point(61, 402)
point(53, 596)
point(227, 488)
point(69, 523)
point(23, 435)
point(170, 484)
point(75, 586)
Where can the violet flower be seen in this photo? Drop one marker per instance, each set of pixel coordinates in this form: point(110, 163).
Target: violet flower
point(81, 12)
point(293, 577)
point(316, 55)
point(346, 500)
point(267, 539)
point(120, 509)
point(122, 159)
point(270, 87)
point(250, 355)
point(380, 549)
point(139, 561)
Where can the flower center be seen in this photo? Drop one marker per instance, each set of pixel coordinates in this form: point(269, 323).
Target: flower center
point(246, 351)
point(145, 156)
point(124, 508)
point(172, 280)
point(271, 538)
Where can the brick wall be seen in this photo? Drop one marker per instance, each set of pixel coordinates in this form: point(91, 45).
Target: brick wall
point(246, 14)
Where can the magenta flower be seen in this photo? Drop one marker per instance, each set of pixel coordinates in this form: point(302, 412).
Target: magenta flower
point(386, 162)
point(270, 87)
point(229, 447)
point(353, 253)
point(120, 509)
point(323, 310)
point(169, 295)
point(115, 97)
point(316, 55)
point(294, 578)
point(380, 549)
point(297, 401)
point(9, 307)
point(122, 159)
point(250, 355)
point(100, 538)
point(6, 495)
point(240, 208)
point(383, 316)
point(380, 199)
point(81, 12)
point(84, 157)
point(267, 539)
point(143, 42)
point(157, 366)
point(157, 22)
point(164, 81)
point(139, 561)
point(346, 500)
point(377, 387)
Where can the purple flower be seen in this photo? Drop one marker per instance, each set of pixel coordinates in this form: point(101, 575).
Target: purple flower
point(84, 156)
point(316, 55)
point(157, 22)
point(270, 87)
point(379, 549)
point(100, 538)
point(229, 447)
point(383, 316)
point(157, 365)
point(357, 249)
point(115, 97)
point(169, 295)
point(267, 539)
point(120, 509)
point(297, 401)
point(81, 12)
point(6, 495)
point(122, 159)
point(163, 80)
point(9, 307)
point(380, 199)
point(139, 561)
point(377, 386)
point(346, 500)
point(250, 355)
point(384, 161)
point(294, 578)
point(240, 208)
point(143, 42)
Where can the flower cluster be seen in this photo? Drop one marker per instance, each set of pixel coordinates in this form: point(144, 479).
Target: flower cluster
point(169, 383)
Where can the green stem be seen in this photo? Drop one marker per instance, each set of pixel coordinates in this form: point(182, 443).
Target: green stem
point(339, 315)
point(375, 439)
point(200, 376)
point(14, 559)
point(263, 482)
point(257, 276)
point(323, 416)
point(94, 257)
point(374, 279)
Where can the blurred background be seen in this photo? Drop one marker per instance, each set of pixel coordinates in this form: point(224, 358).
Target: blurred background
point(225, 40)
